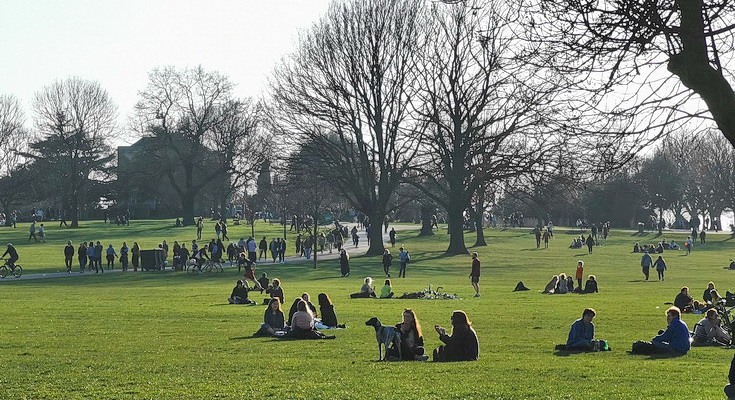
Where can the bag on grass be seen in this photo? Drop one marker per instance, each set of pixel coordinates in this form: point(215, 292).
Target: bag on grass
point(520, 287)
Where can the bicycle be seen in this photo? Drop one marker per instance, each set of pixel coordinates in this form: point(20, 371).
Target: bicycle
point(211, 266)
point(17, 271)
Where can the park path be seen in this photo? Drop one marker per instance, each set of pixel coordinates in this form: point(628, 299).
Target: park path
point(293, 259)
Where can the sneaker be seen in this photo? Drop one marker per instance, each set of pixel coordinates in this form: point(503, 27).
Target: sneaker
point(422, 358)
point(477, 294)
point(348, 274)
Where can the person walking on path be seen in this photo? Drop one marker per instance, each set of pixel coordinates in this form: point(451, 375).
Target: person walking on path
point(546, 237)
point(32, 231)
point(392, 236)
point(403, 259)
point(82, 256)
point(282, 252)
point(135, 256)
point(223, 227)
point(475, 274)
point(124, 250)
point(274, 248)
point(387, 262)
point(200, 228)
point(42, 233)
point(111, 256)
point(68, 256)
point(660, 265)
point(263, 248)
point(702, 237)
point(646, 263)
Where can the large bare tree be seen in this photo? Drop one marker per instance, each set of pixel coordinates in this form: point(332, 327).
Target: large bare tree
point(347, 89)
point(202, 133)
point(650, 61)
point(488, 116)
point(14, 141)
point(76, 120)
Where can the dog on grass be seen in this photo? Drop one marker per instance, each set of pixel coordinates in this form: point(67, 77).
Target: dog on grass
point(385, 335)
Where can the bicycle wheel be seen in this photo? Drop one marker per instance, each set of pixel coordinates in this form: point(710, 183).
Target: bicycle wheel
point(218, 267)
point(207, 267)
point(18, 271)
point(3, 271)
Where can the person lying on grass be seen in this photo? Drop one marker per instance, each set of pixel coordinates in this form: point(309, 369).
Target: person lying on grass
point(709, 332)
point(240, 294)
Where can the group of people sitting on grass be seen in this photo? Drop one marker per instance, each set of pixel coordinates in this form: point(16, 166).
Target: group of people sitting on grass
point(303, 321)
point(562, 284)
point(368, 290)
point(658, 248)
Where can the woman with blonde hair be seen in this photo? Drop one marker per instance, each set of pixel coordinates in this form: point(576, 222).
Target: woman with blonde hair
point(412, 339)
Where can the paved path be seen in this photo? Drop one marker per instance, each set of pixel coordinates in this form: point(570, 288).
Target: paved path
point(352, 250)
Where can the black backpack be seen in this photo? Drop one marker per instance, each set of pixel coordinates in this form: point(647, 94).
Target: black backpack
point(520, 287)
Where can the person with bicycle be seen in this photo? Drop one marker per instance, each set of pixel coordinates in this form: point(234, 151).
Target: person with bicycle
point(13, 256)
point(709, 331)
point(200, 256)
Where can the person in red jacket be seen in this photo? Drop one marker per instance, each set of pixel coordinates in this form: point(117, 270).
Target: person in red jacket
point(475, 274)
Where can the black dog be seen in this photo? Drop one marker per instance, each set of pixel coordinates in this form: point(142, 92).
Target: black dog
point(385, 335)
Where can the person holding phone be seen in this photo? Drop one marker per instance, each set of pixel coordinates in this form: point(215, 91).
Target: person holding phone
point(462, 345)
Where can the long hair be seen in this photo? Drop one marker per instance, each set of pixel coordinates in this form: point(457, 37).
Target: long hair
point(324, 300)
point(416, 324)
point(460, 320)
point(277, 301)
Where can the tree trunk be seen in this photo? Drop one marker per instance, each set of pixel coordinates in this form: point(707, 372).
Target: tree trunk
point(427, 210)
point(74, 209)
point(456, 233)
point(376, 241)
point(187, 210)
point(479, 212)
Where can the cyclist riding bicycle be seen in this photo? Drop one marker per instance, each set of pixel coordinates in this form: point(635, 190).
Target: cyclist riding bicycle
point(13, 256)
point(200, 256)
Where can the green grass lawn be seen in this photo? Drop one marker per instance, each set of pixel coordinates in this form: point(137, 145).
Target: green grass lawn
point(171, 336)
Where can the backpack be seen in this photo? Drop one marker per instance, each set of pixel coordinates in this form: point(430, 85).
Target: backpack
point(520, 287)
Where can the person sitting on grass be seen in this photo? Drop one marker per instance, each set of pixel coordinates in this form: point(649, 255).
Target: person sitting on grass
point(636, 248)
point(462, 345)
point(561, 286)
point(709, 332)
point(307, 298)
point(582, 332)
point(273, 319)
point(591, 285)
point(707, 295)
point(386, 292)
point(551, 286)
point(276, 290)
point(412, 340)
point(240, 294)
point(326, 309)
point(263, 281)
point(730, 387)
point(366, 291)
point(302, 324)
point(674, 246)
point(570, 284)
point(674, 340)
point(683, 300)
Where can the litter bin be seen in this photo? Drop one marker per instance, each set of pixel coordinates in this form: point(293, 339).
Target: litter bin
point(147, 260)
point(641, 225)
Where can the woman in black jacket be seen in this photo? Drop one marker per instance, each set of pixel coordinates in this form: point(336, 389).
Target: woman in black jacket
point(326, 309)
point(462, 345)
point(273, 319)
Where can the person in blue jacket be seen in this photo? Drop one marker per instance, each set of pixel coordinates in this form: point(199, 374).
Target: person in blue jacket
point(675, 339)
point(582, 332)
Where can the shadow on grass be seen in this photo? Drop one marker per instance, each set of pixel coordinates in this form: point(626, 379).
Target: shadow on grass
point(249, 337)
point(567, 353)
point(657, 356)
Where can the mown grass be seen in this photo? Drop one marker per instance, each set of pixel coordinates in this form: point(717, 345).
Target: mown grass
point(171, 336)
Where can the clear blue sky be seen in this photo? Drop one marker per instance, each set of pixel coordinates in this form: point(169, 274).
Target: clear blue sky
point(118, 42)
